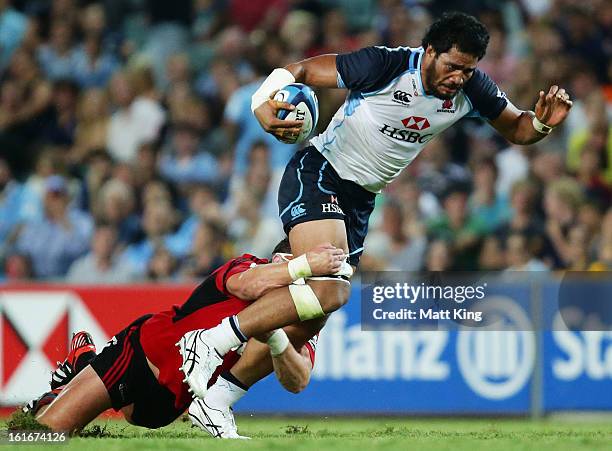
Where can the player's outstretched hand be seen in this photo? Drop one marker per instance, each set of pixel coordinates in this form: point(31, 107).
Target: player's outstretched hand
point(283, 130)
point(325, 259)
point(552, 108)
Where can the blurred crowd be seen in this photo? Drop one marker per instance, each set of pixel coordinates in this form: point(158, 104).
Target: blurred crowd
point(128, 150)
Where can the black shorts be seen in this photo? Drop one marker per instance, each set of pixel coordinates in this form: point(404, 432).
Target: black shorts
point(123, 368)
point(311, 190)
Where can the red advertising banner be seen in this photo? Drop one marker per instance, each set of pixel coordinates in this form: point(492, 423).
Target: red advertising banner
point(37, 321)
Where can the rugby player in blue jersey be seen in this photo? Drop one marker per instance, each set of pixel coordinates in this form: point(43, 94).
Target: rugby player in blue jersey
point(398, 100)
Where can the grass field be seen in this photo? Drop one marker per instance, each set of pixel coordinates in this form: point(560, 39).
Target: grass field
point(314, 434)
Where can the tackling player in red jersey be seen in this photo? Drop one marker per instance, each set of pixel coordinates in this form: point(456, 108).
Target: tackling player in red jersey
point(138, 371)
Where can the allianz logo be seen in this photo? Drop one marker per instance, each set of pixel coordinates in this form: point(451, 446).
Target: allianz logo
point(494, 364)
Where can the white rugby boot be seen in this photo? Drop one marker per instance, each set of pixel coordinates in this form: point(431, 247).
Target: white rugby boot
point(218, 422)
point(200, 360)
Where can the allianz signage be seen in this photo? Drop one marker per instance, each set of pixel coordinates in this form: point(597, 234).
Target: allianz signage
point(452, 372)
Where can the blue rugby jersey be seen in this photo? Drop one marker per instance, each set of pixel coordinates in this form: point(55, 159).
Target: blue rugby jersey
point(387, 118)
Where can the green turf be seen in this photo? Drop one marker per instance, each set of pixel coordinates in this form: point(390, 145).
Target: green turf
point(314, 434)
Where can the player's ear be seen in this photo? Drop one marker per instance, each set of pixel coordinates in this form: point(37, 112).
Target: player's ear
point(281, 257)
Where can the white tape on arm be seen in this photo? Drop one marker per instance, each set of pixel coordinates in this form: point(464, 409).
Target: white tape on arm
point(299, 268)
point(278, 342)
point(541, 127)
point(279, 78)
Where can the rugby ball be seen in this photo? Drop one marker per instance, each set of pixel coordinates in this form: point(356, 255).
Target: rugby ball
point(306, 108)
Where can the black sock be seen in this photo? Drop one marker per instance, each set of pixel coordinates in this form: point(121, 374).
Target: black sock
point(228, 376)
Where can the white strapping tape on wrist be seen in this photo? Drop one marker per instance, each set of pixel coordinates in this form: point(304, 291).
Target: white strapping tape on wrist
point(306, 302)
point(278, 342)
point(299, 268)
point(541, 127)
point(279, 78)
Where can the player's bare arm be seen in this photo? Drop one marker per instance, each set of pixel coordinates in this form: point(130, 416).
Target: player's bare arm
point(252, 284)
point(528, 127)
point(293, 368)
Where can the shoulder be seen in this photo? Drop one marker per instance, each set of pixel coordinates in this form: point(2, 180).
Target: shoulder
point(484, 95)
point(371, 68)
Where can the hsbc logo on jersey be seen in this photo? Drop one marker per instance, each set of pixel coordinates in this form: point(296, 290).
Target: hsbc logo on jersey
point(402, 97)
point(408, 136)
point(331, 208)
point(416, 122)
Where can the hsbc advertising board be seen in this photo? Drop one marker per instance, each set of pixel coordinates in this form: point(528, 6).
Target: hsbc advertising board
point(466, 371)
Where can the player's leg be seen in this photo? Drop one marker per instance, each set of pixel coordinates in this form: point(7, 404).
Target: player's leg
point(81, 401)
point(80, 352)
point(313, 216)
point(214, 413)
point(256, 362)
point(274, 311)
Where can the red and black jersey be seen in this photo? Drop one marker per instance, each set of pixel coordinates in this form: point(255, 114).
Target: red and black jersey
point(209, 303)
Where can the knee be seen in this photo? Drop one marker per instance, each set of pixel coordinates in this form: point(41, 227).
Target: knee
point(57, 423)
point(331, 294)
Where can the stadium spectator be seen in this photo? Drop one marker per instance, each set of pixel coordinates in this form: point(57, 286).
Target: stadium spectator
point(203, 205)
point(458, 227)
point(17, 268)
point(561, 201)
point(138, 118)
point(299, 31)
point(490, 208)
point(185, 161)
point(92, 125)
point(60, 237)
point(439, 256)
point(437, 173)
point(524, 217)
point(114, 204)
point(162, 266)
point(158, 219)
point(92, 66)
point(13, 27)
point(399, 243)
point(48, 163)
point(492, 256)
point(577, 255)
point(519, 257)
point(24, 97)
point(604, 245)
point(58, 124)
point(10, 203)
point(206, 251)
point(56, 56)
point(101, 265)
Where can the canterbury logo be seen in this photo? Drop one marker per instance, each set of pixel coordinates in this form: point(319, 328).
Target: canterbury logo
point(402, 97)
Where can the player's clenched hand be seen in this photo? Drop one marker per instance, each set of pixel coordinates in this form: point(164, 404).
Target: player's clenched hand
point(281, 129)
point(552, 108)
point(325, 259)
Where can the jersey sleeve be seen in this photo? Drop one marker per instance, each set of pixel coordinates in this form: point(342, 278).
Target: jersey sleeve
point(311, 346)
point(371, 68)
point(235, 266)
point(485, 96)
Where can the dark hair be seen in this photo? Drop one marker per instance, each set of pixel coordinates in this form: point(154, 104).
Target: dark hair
point(283, 247)
point(459, 30)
